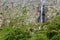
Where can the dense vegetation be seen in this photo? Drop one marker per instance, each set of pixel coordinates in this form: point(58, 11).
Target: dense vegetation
point(20, 23)
point(49, 31)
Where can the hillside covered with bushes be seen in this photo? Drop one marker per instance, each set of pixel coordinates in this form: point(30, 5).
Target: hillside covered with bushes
point(19, 20)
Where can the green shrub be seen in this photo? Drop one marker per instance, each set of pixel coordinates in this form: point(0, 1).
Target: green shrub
point(4, 31)
point(39, 37)
point(18, 34)
point(56, 37)
point(51, 33)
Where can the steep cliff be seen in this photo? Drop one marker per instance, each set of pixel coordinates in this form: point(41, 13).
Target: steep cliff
point(28, 10)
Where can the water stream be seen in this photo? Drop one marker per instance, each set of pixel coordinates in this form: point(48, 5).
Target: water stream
point(41, 16)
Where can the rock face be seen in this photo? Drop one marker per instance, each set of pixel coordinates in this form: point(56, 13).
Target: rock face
point(13, 7)
point(1, 20)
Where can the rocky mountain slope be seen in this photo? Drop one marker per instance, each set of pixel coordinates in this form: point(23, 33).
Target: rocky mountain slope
point(12, 9)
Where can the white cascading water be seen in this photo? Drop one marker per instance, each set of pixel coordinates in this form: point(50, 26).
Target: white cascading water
point(41, 16)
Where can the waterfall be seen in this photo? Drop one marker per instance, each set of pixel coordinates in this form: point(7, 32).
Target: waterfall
point(42, 13)
point(41, 16)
